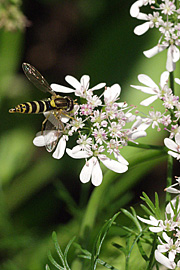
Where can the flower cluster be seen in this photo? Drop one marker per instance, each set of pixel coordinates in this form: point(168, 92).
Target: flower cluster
point(99, 124)
point(165, 17)
point(170, 117)
point(168, 250)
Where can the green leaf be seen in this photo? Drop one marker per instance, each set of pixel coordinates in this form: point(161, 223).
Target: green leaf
point(99, 241)
point(148, 202)
point(58, 249)
point(47, 267)
point(149, 213)
point(143, 253)
point(121, 248)
point(133, 218)
point(66, 252)
point(54, 262)
point(157, 210)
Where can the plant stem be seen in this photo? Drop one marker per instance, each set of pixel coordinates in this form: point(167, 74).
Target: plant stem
point(169, 176)
point(148, 146)
point(170, 158)
point(171, 82)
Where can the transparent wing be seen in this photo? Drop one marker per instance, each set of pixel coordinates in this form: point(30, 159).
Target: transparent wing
point(36, 78)
point(52, 132)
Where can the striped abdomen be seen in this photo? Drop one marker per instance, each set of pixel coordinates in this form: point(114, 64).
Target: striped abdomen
point(59, 103)
point(33, 107)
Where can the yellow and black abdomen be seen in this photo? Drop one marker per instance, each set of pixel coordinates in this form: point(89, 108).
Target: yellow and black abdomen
point(33, 107)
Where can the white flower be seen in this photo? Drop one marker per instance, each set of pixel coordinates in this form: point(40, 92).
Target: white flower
point(80, 88)
point(151, 87)
point(174, 146)
point(173, 54)
point(153, 222)
point(171, 188)
point(170, 246)
point(112, 93)
point(164, 260)
point(40, 141)
point(137, 130)
point(91, 169)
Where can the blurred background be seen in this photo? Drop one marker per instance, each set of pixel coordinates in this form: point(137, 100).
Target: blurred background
point(39, 194)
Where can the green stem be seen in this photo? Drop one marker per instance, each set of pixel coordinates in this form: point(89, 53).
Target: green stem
point(169, 176)
point(170, 158)
point(148, 146)
point(171, 82)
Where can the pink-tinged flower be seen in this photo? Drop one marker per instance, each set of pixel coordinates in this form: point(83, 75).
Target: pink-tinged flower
point(168, 7)
point(173, 146)
point(40, 140)
point(86, 109)
point(164, 260)
point(152, 88)
point(91, 170)
point(80, 88)
point(169, 246)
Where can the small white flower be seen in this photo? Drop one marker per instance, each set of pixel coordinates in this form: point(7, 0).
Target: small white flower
point(174, 146)
point(170, 246)
point(153, 222)
point(80, 88)
point(112, 93)
point(151, 87)
point(171, 188)
point(91, 169)
point(164, 260)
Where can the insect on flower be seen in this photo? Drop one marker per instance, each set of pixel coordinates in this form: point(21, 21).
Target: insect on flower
point(52, 107)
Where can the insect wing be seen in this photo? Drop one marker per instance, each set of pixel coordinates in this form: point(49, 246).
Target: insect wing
point(52, 132)
point(36, 78)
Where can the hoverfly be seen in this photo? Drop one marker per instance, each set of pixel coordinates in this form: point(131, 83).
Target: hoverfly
point(52, 107)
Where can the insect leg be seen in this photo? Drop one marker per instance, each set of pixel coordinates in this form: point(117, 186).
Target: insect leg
point(43, 123)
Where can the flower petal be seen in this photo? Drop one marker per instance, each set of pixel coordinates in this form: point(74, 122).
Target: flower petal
point(112, 93)
point(39, 140)
point(175, 53)
point(147, 81)
point(78, 155)
point(139, 134)
point(86, 171)
point(177, 138)
point(113, 164)
point(141, 29)
point(153, 221)
point(97, 175)
point(85, 79)
point(144, 89)
point(98, 86)
point(170, 144)
point(61, 88)
point(121, 159)
point(60, 149)
point(170, 65)
point(73, 81)
point(164, 260)
point(164, 78)
point(155, 50)
point(149, 100)
point(134, 10)
point(174, 155)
